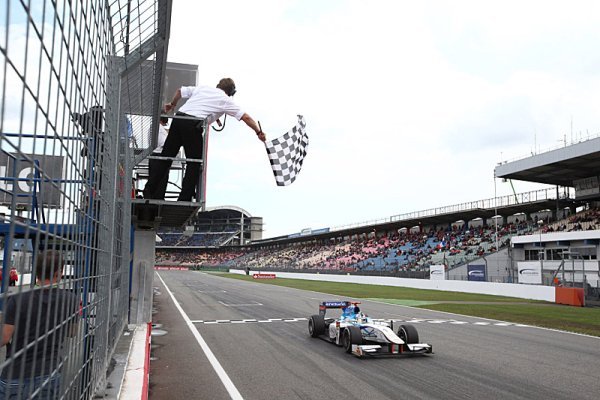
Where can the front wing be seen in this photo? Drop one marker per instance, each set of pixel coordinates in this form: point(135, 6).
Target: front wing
point(390, 349)
point(384, 349)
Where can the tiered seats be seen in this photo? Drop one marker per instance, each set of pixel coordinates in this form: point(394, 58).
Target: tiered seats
point(398, 252)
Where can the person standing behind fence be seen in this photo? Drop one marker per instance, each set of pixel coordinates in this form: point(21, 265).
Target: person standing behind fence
point(204, 103)
point(35, 326)
point(13, 277)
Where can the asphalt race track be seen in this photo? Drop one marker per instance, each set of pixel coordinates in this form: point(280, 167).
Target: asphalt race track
point(257, 337)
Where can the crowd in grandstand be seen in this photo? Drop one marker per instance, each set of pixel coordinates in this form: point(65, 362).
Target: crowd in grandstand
point(394, 251)
point(389, 251)
point(195, 257)
point(586, 220)
point(195, 239)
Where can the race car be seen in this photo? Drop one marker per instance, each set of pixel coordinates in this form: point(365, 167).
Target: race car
point(364, 336)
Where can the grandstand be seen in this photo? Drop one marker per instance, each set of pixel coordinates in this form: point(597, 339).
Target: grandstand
point(214, 228)
point(458, 236)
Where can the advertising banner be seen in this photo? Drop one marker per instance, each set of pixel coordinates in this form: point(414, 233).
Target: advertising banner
point(437, 273)
point(170, 268)
point(530, 272)
point(17, 179)
point(476, 273)
point(264, 276)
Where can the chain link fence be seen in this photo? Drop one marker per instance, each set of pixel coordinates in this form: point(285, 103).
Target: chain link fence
point(80, 83)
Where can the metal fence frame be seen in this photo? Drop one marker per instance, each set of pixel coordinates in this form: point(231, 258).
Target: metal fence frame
point(80, 80)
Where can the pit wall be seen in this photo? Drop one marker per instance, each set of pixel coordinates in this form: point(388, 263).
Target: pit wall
point(531, 292)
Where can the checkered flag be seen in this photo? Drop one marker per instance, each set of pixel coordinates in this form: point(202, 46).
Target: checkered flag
point(287, 153)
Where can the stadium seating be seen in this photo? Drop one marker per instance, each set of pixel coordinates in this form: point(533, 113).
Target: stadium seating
point(388, 253)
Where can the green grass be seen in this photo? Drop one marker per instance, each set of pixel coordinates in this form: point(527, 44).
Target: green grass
point(538, 313)
point(356, 290)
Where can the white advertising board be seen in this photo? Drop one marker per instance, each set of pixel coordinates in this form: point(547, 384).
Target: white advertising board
point(437, 273)
point(530, 272)
point(533, 292)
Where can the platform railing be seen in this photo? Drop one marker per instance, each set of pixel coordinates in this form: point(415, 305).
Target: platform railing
point(485, 204)
point(178, 163)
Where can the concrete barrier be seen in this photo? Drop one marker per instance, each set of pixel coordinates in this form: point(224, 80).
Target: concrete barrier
point(522, 291)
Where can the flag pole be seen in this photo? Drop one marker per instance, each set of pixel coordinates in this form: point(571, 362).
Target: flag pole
point(260, 129)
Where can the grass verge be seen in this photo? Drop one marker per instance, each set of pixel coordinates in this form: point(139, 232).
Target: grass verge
point(573, 319)
point(357, 290)
point(538, 313)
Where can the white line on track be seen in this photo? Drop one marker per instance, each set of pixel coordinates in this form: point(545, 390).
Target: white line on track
point(489, 319)
point(211, 291)
point(299, 319)
point(240, 305)
point(229, 386)
point(246, 321)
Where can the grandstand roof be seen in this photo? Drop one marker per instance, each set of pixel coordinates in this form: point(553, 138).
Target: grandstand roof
point(223, 212)
point(439, 220)
point(556, 167)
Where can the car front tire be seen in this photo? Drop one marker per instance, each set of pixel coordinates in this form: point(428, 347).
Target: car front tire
point(350, 336)
point(408, 334)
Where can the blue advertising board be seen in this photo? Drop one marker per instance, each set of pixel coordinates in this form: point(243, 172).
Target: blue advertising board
point(476, 273)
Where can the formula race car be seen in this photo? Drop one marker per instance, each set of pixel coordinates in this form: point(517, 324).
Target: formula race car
point(364, 336)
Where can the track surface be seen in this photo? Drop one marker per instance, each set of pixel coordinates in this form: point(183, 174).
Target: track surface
point(274, 357)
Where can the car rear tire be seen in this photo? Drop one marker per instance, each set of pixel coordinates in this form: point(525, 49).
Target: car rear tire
point(316, 325)
point(350, 336)
point(408, 334)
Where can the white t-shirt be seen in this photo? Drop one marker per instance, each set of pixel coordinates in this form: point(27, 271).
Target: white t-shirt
point(208, 103)
point(162, 136)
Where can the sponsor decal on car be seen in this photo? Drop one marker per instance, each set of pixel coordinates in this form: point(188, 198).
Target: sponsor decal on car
point(335, 303)
point(368, 332)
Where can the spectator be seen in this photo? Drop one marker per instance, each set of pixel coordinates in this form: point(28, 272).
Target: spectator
point(35, 325)
point(13, 277)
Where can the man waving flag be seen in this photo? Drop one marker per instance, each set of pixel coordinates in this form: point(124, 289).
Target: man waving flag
point(287, 153)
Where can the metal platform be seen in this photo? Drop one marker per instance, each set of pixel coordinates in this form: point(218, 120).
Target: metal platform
point(152, 214)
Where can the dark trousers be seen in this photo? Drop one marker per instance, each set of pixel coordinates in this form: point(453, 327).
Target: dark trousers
point(186, 133)
point(161, 188)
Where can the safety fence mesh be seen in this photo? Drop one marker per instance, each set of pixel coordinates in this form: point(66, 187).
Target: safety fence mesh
point(80, 90)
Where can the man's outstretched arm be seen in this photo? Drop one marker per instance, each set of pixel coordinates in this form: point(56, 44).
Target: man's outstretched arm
point(254, 126)
point(174, 101)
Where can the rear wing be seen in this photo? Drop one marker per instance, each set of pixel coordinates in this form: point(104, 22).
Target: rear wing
point(323, 306)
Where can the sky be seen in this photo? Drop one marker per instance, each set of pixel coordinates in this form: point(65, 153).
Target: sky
point(409, 105)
